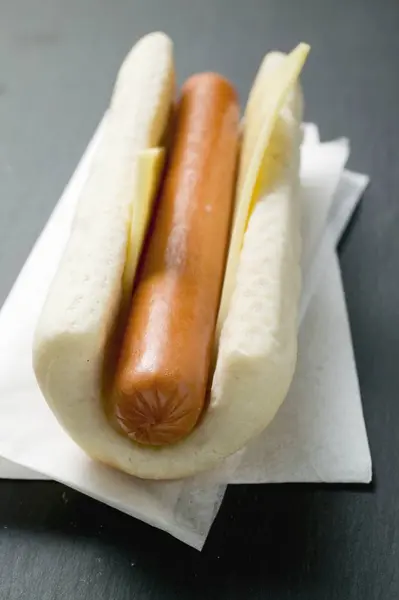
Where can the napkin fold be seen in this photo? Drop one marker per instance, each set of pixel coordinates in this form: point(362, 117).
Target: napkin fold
point(309, 432)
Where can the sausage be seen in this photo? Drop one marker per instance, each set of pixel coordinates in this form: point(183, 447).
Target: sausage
point(162, 374)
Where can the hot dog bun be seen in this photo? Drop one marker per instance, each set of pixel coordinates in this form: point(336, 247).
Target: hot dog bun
point(257, 350)
point(85, 295)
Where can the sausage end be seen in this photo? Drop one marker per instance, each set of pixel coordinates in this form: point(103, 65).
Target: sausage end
point(156, 415)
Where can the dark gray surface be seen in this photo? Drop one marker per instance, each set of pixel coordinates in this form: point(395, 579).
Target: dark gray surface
point(58, 61)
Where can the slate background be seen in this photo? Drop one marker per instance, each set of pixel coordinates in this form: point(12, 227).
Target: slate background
point(58, 61)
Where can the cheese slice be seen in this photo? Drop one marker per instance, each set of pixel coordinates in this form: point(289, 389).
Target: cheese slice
point(268, 95)
point(149, 167)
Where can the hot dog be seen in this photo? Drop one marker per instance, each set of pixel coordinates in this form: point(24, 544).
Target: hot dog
point(160, 386)
point(171, 411)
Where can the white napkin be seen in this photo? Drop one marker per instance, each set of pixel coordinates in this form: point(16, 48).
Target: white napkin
point(31, 437)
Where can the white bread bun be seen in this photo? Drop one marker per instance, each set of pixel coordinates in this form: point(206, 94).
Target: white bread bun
point(258, 344)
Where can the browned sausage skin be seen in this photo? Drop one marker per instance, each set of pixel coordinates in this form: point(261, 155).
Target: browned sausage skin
point(161, 378)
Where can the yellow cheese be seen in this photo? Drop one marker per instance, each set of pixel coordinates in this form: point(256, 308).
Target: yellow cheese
point(267, 97)
point(150, 166)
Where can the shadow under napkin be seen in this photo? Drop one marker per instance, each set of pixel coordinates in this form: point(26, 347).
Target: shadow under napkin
point(286, 534)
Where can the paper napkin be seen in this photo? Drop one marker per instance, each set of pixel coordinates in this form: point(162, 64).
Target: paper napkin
point(31, 438)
